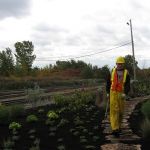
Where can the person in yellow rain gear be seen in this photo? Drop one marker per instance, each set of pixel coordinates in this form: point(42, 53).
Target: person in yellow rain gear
point(117, 87)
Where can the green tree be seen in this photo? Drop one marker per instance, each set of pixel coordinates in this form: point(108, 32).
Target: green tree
point(6, 62)
point(63, 65)
point(24, 56)
point(73, 64)
point(81, 64)
point(104, 71)
point(129, 64)
point(96, 72)
point(87, 72)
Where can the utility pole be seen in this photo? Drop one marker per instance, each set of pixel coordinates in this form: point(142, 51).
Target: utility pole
point(134, 67)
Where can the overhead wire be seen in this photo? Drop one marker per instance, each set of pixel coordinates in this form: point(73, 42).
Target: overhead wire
point(89, 54)
point(122, 10)
point(86, 52)
point(104, 50)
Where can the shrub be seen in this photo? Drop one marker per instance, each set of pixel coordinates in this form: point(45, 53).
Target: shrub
point(34, 96)
point(51, 114)
point(7, 112)
point(95, 127)
point(32, 131)
point(8, 144)
point(32, 118)
point(60, 100)
point(14, 126)
point(5, 115)
point(145, 109)
point(145, 128)
point(36, 143)
point(15, 137)
point(62, 122)
point(41, 111)
point(17, 110)
point(61, 147)
point(88, 96)
point(49, 121)
point(95, 138)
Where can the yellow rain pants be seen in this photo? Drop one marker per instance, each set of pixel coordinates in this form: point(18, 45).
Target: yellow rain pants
point(117, 107)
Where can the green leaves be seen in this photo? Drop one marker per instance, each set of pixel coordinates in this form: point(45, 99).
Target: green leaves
point(145, 109)
point(24, 56)
point(6, 62)
point(51, 114)
point(14, 126)
point(32, 118)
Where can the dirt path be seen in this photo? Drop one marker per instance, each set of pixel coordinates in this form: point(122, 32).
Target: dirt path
point(126, 133)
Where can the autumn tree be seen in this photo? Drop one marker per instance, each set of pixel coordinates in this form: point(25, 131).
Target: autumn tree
point(24, 56)
point(6, 62)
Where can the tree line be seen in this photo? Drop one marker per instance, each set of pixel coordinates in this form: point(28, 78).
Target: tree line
point(21, 66)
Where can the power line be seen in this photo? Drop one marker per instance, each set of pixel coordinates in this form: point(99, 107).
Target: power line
point(122, 11)
point(104, 50)
point(82, 53)
point(91, 54)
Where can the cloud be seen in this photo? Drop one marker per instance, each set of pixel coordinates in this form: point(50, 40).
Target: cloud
point(45, 35)
point(14, 8)
point(45, 27)
point(73, 40)
point(73, 28)
point(136, 5)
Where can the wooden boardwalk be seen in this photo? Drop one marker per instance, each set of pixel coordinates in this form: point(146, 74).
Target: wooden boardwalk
point(126, 133)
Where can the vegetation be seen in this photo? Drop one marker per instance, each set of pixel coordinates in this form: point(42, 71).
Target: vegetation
point(17, 110)
point(144, 119)
point(80, 129)
point(34, 96)
point(52, 115)
point(76, 125)
point(146, 109)
point(19, 73)
point(129, 64)
point(145, 128)
point(8, 143)
point(24, 57)
point(14, 126)
point(6, 62)
point(20, 68)
point(41, 111)
point(32, 118)
point(9, 112)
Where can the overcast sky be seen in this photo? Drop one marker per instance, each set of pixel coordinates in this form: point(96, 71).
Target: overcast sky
point(94, 31)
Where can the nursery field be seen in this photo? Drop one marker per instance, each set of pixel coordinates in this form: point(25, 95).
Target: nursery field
point(72, 130)
point(72, 126)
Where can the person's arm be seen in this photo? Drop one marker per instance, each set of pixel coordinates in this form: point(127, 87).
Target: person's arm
point(127, 85)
